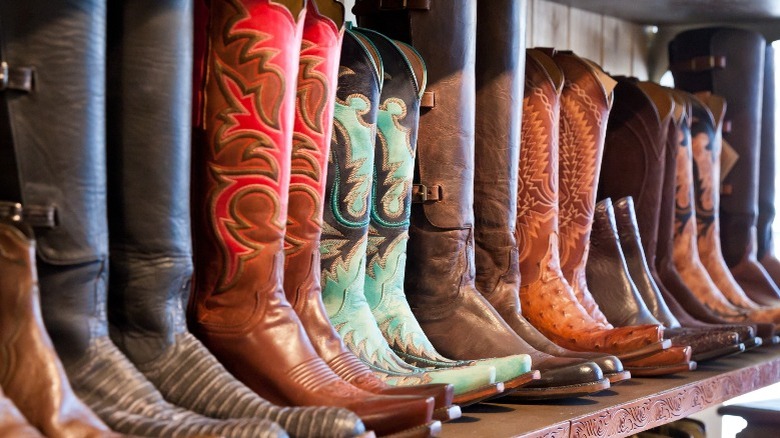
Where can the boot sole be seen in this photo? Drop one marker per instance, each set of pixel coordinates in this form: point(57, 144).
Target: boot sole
point(721, 352)
point(774, 340)
point(615, 378)
point(447, 413)
point(477, 395)
point(556, 392)
point(519, 381)
point(646, 351)
point(662, 371)
point(428, 430)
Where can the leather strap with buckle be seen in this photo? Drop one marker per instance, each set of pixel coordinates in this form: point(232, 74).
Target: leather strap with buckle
point(19, 79)
point(699, 64)
point(423, 194)
point(39, 216)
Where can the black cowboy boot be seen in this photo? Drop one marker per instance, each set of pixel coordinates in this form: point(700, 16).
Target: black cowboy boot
point(62, 164)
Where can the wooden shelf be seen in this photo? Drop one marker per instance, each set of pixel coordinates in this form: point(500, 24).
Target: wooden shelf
point(627, 408)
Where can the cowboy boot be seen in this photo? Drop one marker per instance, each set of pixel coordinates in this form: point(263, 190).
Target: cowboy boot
point(766, 174)
point(63, 164)
point(397, 117)
point(716, 60)
point(242, 173)
point(320, 52)
point(685, 251)
point(347, 216)
point(544, 293)
point(439, 280)
point(150, 248)
point(617, 296)
point(31, 374)
point(13, 423)
point(706, 344)
point(706, 144)
point(681, 301)
point(499, 75)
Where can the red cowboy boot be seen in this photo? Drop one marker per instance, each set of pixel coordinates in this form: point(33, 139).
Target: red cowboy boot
point(544, 294)
point(238, 307)
point(323, 31)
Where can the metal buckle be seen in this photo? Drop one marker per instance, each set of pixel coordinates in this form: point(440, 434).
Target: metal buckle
point(3, 75)
point(12, 211)
point(391, 5)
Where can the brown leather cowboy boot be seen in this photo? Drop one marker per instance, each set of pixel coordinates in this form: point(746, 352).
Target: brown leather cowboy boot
point(633, 166)
point(499, 77)
point(730, 62)
point(439, 281)
point(242, 168)
point(708, 112)
point(323, 33)
point(685, 251)
point(544, 293)
point(12, 422)
point(766, 174)
point(30, 371)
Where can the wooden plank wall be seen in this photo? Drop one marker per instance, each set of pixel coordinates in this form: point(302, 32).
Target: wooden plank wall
point(617, 45)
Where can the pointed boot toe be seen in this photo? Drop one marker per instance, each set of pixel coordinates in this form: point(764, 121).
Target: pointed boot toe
point(443, 395)
point(394, 415)
point(563, 378)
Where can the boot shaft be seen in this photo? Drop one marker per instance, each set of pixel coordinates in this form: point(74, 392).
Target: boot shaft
point(242, 155)
point(766, 170)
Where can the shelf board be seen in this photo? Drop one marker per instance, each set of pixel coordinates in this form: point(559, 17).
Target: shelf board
point(681, 11)
point(627, 408)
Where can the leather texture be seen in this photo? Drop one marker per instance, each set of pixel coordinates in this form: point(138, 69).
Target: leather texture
point(706, 144)
point(607, 273)
point(13, 423)
point(499, 81)
point(685, 251)
point(349, 208)
point(64, 164)
point(670, 361)
point(765, 252)
point(547, 300)
point(31, 374)
point(744, 51)
point(705, 343)
point(586, 99)
point(633, 165)
point(242, 169)
point(439, 281)
point(323, 33)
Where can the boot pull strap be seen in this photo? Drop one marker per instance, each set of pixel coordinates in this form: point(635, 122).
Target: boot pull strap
point(38, 216)
point(699, 64)
point(373, 6)
point(423, 194)
point(16, 78)
point(428, 100)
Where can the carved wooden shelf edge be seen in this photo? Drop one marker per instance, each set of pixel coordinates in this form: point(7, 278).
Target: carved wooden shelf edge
point(630, 418)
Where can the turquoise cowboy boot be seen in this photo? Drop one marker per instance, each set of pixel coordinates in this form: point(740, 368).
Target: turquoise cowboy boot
point(397, 122)
point(345, 231)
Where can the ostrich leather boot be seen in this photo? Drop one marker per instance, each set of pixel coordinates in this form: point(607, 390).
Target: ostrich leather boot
point(13, 423)
point(63, 163)
point(323, 32)
point(439, 281)
point(499, 79)
point(730, 63)
point(685, 251)
point(616, 294)
point(708, 111)
point(706, 344)
point(547, 300)
point(633, 166)
point(347, 216)
point(241, 170)
point(681, 301)
point(150, 248)
point(765, 251)
point(30, 372)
